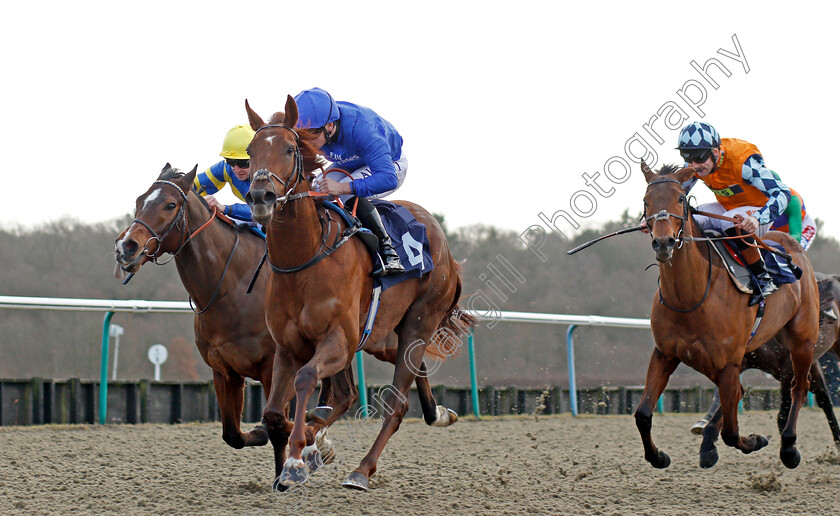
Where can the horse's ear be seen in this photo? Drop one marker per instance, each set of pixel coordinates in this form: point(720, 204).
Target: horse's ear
point(291, 112)
point(166, 168)
point(253, 118)
point(647, 171)
point(685, 174)
point(190, 176)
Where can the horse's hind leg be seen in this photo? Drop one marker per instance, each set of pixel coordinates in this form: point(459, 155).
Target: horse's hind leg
point(659, 370)
point(412, 347)
point(729, 383)
point(698, 427)
point(823, 399)
point(708, 450)
point(802, 356)
point(433, 414)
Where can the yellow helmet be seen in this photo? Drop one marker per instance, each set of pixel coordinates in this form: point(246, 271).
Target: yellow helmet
point(236, 141)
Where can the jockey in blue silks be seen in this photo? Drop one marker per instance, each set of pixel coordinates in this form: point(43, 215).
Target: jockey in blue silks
point(355, 138)
point(234, 170)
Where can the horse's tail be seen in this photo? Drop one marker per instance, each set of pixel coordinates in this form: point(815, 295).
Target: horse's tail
point(446, 341)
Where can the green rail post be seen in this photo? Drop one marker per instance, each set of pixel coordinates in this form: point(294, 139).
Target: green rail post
point(103, 369)
point(473, 381)
point(360, 366)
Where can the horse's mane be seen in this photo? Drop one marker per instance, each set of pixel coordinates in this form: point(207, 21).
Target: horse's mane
point(668, 168)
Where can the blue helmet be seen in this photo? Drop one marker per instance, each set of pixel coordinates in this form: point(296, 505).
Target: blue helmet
point(698, 135)
point(316, 108)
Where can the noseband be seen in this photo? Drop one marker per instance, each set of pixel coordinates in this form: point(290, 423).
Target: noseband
point(264, 174)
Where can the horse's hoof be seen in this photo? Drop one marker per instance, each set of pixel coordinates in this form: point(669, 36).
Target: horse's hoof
point(294, 472)
point(760, 442)
point(319, 414)
point(445, 417)
point(257, 436)
point(278, 486)
point(356, 481)
point(662, 460)
point(791, 458)
point(312, 457)
point(708, 458)
point(325, 446)
point(698, 427)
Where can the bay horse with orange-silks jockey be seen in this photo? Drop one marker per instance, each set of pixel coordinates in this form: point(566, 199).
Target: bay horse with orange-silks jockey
point(701, 319)
point(320, 290)
point(215, 260)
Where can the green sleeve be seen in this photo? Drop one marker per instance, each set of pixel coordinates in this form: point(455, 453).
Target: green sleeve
point(794, 215)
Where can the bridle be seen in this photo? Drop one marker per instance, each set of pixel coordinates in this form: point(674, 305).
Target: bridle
point(666, 215)
point(181, 216)
point(297, 174)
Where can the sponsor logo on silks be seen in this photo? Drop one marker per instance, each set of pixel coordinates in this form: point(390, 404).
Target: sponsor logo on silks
point(340, 160)
point(808, 232)
point(729, 192)
point(413, 249)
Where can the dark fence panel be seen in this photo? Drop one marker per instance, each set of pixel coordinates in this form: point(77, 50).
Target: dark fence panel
point(73, 401)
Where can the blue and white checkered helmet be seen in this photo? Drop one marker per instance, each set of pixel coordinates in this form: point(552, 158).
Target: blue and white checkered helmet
point(698, 135)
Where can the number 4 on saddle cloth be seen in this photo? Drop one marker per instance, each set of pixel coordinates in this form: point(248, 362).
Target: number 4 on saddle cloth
point(408, 236)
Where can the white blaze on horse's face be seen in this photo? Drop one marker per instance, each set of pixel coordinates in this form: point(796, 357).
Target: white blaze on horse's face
point(269, 140)
point(151, 198)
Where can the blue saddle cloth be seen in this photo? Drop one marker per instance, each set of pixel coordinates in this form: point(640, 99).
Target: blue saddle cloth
point(409, 238)
point(779, 269)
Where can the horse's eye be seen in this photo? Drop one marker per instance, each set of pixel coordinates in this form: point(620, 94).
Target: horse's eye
point(682, 199)
point(290, 150)
point(170, 206)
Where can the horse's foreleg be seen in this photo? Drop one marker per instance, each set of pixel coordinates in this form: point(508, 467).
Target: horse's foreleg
point(230, 396)
point(328, 360)
point(729, 383)
point(659, 371)
point(802, 356)
point(275, 414)
point(823, 399)
point(784, 401)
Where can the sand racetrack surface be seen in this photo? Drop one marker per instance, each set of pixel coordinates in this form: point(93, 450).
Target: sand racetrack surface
point(550, 465)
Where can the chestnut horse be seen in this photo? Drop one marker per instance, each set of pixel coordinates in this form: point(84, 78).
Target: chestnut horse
point(701, 319)
point(216, 261)
point(774, 359)
point(320, 290)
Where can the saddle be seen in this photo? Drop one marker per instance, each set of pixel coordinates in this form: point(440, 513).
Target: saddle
point(408, 236)
point(779, 269)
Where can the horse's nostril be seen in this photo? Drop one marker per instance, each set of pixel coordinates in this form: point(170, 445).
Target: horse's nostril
point(655, 245)
point(270, 198)
point(130, 247)
point(670, 243)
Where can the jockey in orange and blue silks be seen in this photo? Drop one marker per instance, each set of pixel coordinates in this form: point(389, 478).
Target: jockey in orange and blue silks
point(357, 139)
point(234, 171)
point(743, 186)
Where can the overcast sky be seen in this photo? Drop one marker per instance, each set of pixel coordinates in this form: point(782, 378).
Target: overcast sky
point(503, 106)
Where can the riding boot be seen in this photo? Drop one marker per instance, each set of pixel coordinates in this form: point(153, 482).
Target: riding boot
point(371, 220)
point(755, 263)
point(766, 285)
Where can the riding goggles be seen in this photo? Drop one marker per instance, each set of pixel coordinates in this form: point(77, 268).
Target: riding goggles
point(696, 155)
point(241, 163)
